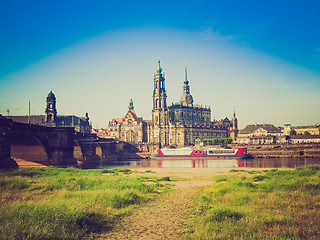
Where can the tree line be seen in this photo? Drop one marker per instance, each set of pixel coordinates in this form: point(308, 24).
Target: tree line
point(217, 141)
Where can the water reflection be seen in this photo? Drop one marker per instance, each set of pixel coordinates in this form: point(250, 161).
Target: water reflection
point(282, 162)
point(223, 163)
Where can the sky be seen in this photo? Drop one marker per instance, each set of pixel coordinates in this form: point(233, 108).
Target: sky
point(260, 59)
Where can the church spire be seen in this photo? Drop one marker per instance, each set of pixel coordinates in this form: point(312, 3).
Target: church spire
point(186, 99)
point(186, 87)
point(186, 81)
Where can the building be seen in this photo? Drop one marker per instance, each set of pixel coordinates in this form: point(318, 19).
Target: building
point(52, 119)
point(300, 130)
point(261, 134)
point(301, 138)
point(130, 128)
point(102, 133)
point(177, 125)
point(182, 123)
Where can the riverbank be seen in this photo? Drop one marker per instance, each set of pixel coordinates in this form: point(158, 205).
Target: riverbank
point(160, 203)
point(308, 150)
point(229, 204)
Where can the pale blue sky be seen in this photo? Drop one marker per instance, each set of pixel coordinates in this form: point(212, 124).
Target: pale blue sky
point(261, 57)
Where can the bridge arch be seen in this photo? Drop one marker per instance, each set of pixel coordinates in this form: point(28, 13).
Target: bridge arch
point(27, 147)
point(99, 153)
point(87, 153)
point(77, 152)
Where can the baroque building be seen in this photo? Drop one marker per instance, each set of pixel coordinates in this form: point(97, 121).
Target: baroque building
point(130, 128)
point(177, 125)
point(52, 119)
point(182, 123)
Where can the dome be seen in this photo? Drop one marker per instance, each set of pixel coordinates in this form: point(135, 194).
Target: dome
point(186, 99)
point(51, 96)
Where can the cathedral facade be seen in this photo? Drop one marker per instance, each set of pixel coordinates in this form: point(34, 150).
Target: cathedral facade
point(182, 123)
point(179, 124)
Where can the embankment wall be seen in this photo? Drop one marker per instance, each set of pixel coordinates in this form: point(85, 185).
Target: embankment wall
point(311, 150)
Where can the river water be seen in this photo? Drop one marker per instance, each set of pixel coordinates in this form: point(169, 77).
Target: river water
point(220, 163)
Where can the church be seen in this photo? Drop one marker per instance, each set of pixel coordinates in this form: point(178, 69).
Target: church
point(52, 119)
point(177, 125)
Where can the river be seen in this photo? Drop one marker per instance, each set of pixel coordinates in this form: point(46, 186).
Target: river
point(220, 163)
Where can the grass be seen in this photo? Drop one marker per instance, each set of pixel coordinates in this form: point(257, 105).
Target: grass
point(55, 203)
point(270, 204)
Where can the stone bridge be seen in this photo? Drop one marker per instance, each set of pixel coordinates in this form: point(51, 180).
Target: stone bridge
point(58, 146)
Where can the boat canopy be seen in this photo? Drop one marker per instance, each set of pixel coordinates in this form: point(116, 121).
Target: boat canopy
point(176, 151)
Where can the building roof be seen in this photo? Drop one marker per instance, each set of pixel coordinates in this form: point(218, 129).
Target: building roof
point(221, 122)
point(139, 120)
point(70, 120)
point(120, 120)
point(303, 127)
point(300, 136)
point(268, 127)
point(34, 119)
point(51, 96)
point(39, 119)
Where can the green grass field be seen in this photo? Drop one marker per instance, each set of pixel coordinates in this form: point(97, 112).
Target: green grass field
point(55, 203)
point(270, 204)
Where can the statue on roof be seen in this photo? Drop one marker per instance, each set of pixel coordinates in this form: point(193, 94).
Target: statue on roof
point(131, 105)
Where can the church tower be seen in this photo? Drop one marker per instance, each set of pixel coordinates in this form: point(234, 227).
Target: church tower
point(234, 127)
point(186, 98)
point(51, 111)
point(160, 131)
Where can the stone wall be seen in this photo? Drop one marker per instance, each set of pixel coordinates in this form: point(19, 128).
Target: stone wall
point(284, 150)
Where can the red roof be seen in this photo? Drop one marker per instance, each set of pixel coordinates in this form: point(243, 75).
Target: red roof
point(134, 115)
point(120, 120)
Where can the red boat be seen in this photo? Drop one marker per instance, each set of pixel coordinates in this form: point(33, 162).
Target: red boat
point(200, 153)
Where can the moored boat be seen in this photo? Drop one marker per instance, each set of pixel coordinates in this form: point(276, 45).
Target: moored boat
point(188, 152)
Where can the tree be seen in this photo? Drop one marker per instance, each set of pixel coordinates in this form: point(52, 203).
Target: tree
point(293, 132)
point(215, 141)
point(205, 141)
point(227, 140)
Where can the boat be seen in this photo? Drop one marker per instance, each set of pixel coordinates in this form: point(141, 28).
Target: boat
point(188, 152)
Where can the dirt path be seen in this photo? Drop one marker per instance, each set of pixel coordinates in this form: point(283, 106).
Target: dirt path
point(165, 217)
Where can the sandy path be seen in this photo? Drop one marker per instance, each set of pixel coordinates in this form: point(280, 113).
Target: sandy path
point(165, 217)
